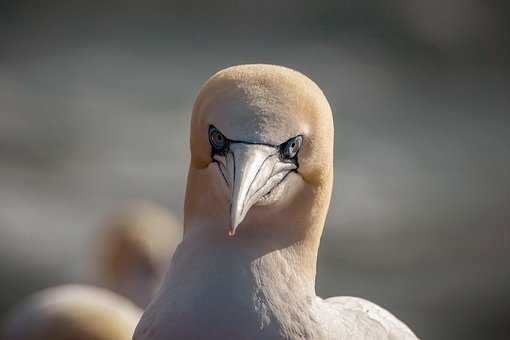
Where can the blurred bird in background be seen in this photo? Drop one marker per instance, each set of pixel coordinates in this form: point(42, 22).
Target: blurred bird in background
point(129, 257)
point(72, 312)
point(133, 250)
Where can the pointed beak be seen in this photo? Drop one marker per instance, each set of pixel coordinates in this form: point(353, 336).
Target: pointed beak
point(251, 171)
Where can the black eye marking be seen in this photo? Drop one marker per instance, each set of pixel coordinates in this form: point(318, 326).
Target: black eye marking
point(219, 143)
point(289, 150)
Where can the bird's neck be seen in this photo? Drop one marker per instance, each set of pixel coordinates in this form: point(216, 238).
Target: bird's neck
point(231, 282)
point(247, 261)
point(259, 283)
point(271, 240)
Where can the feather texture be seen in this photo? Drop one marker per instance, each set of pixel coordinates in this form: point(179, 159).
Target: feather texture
point(259, 284)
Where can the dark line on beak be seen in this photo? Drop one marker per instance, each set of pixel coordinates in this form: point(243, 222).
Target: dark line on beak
point(258, 171)
point(234, 174)
point(269, 176)
point(221, 171)
point(280, 182)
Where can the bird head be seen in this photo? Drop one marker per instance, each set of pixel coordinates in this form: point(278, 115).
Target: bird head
point(261, 138)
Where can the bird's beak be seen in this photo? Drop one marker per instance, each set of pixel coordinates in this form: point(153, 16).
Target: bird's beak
point(251, 171)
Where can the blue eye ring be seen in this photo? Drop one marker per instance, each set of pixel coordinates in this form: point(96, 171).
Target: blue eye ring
point(290, 148)
point(217, 140)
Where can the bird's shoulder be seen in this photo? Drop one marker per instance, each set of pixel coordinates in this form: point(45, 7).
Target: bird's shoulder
point(145, 329)
point(370, 313)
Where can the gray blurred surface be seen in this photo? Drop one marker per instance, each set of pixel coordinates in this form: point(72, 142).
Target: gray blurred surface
point(95, 105)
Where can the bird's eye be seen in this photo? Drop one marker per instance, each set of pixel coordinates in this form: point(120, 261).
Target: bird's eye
point(290, 148)
point(216, 138)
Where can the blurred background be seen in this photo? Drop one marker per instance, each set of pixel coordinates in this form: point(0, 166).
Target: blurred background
point(95, 102)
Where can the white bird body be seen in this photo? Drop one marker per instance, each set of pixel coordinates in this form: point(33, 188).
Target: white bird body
point(271, 174)
point(222, 296)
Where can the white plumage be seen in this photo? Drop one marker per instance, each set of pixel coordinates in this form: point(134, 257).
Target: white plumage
point(262, 169)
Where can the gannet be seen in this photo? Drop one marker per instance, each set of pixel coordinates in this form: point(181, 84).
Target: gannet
point(259, 187)
point(72, 312)
point(134, 249)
